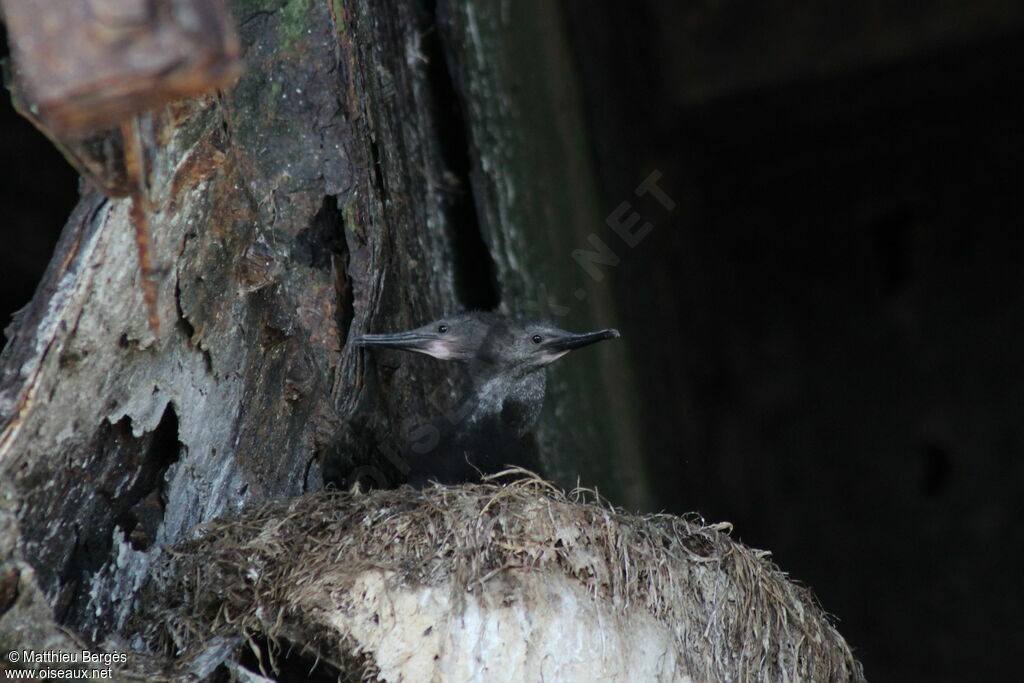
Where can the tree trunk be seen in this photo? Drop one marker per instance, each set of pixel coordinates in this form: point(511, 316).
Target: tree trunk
point(350, 181)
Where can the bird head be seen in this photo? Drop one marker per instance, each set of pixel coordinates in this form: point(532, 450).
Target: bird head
point(499, 344)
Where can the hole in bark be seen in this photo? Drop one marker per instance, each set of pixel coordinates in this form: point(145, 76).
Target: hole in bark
point(476, 284)
point(322, 243)
point(142, 505)
point(124, 489)
point(323, 239)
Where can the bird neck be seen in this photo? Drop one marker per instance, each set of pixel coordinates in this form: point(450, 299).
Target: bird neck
point(516, 400)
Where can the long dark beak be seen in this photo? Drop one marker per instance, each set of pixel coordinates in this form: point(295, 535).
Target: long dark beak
point(576, 341)
point(408, 341)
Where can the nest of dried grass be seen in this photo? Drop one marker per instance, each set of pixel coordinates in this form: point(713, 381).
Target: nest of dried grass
point(395, 583)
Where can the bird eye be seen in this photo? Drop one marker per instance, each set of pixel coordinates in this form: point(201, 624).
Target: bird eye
point(537, 339)
point(442, 329)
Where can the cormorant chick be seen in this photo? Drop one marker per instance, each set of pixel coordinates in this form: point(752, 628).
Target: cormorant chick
point(493, 424)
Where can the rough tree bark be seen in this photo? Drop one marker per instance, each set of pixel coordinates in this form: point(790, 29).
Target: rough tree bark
point(334, 189)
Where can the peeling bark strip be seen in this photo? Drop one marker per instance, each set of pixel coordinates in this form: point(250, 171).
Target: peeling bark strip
point(311, 202)
point(135, 170)
point(97, 65)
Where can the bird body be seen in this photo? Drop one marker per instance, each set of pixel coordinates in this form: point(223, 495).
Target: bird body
point(492, 426)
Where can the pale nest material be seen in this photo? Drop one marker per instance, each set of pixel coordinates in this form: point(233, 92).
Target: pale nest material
point(487, 582)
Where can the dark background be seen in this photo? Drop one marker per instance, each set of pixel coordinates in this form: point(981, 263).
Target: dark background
point(827, 327)
point(38, 189)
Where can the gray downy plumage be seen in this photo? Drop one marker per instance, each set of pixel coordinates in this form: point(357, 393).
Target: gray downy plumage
point(492, 426)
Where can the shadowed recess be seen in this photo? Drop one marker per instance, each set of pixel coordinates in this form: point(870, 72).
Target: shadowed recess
point(126, 501)
point(476, 283)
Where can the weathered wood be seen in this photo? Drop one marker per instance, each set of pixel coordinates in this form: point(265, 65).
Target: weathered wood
point(96, 63)
point(315, 198)
point(537, 200)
